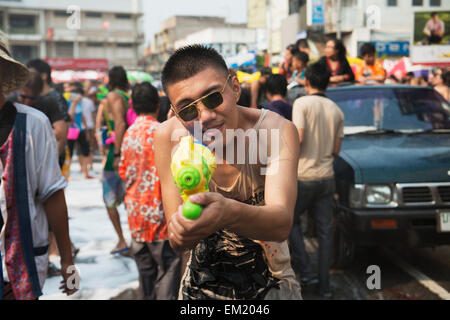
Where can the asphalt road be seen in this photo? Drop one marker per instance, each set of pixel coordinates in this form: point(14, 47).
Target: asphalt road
point(405, 274)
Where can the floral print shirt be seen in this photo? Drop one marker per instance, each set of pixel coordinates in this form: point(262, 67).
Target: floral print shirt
point(137, 168)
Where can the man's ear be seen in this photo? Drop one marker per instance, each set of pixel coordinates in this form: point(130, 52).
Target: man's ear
point(236, 86)
point(44, 77)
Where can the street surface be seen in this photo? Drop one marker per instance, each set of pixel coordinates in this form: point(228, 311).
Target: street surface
point(103, 276)
point(406, 274)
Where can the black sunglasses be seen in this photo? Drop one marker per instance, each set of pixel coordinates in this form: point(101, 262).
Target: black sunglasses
point(211, 101)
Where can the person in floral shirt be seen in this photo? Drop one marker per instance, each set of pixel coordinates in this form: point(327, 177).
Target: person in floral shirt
point(158, 264)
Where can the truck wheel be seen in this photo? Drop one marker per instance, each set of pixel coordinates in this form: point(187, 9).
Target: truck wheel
point(344, 249)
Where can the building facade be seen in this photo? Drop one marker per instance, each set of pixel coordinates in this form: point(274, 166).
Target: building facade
point(172, 30)
point(227, 41)
point(381, 21)
point(99, 29)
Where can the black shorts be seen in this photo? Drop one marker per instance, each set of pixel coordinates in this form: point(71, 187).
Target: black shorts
point(82, 143)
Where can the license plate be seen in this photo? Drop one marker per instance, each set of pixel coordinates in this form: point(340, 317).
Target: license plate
point(443, 223)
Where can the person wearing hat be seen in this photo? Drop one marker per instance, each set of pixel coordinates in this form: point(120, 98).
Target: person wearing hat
point(31, 193)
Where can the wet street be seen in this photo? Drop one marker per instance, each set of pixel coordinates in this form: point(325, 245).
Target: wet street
point(103, 276)
point(405, 274)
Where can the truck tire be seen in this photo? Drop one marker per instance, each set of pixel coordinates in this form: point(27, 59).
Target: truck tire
point(344, 248)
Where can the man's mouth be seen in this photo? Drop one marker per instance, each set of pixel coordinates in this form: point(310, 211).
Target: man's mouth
point(213, 130)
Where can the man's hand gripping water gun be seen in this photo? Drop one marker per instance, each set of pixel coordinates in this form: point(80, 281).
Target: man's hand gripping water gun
point(192, 167)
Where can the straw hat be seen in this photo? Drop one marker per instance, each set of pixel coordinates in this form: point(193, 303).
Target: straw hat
point(13, 74)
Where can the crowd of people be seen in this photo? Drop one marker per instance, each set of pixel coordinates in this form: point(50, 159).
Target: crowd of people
point(248, 243)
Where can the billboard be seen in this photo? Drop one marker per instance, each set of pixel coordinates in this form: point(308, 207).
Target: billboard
point(315, 12)
point(431, 38)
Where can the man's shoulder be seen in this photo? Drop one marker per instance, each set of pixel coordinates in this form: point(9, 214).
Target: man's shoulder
point(32, 113)
point(273, 120)
point(307, 100)
point(36, 120)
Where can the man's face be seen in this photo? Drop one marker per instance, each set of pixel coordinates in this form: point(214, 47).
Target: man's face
point(434, 17)
point(369, 58)
point(297, 64)
point(27, 97)
point(215, 121)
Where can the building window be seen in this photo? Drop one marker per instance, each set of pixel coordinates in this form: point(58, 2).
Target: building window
point(64, 49)
point(435, 3)
point(417, 3)
point(22, 24)
point(1, 21)
point(295, 5)
point(123, 16)
point(391, 3)
point(24, 53)
point(95, 44)
point(63, 14)
point(93, 15)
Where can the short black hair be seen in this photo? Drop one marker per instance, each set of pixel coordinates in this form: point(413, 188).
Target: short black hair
point(145, 98)
point(77, 87)
point(434, 13)
point(301, 56)
point(446, 77)
point(318, 76)
point(290, 47)
point(41, 67)
point(118, 78)
point(276, 84)
point(265, 71)
point(302, 43)
point(187, 61)
point(340, 48)
point(367, 48)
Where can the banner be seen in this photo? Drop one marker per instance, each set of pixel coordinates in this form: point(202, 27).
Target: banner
point(431, 38)
point(78, 64)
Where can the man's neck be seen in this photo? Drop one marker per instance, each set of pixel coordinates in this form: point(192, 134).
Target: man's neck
point(276, 97)
point(312, 91)
point(46, 89)
point(153, 115)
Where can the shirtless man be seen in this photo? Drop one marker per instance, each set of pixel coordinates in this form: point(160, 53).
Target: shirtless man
point(243, 204)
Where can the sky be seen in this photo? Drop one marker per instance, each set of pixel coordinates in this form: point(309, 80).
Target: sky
point(156, 11)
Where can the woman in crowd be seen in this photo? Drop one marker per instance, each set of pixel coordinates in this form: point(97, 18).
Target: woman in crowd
point(335, 61)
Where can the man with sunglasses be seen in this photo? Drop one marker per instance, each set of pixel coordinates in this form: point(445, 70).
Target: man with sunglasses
point(239, 248)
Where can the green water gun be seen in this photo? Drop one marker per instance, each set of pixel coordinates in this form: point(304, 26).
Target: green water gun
point(193, 165)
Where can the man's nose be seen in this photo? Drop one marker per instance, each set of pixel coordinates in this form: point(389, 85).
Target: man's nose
point(206, 114)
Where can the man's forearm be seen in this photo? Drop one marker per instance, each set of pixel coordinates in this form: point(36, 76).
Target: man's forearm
point(56, 210)
point(265, 223)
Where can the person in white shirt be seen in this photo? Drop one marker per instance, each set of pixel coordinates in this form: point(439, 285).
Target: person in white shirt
point(31, 193)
